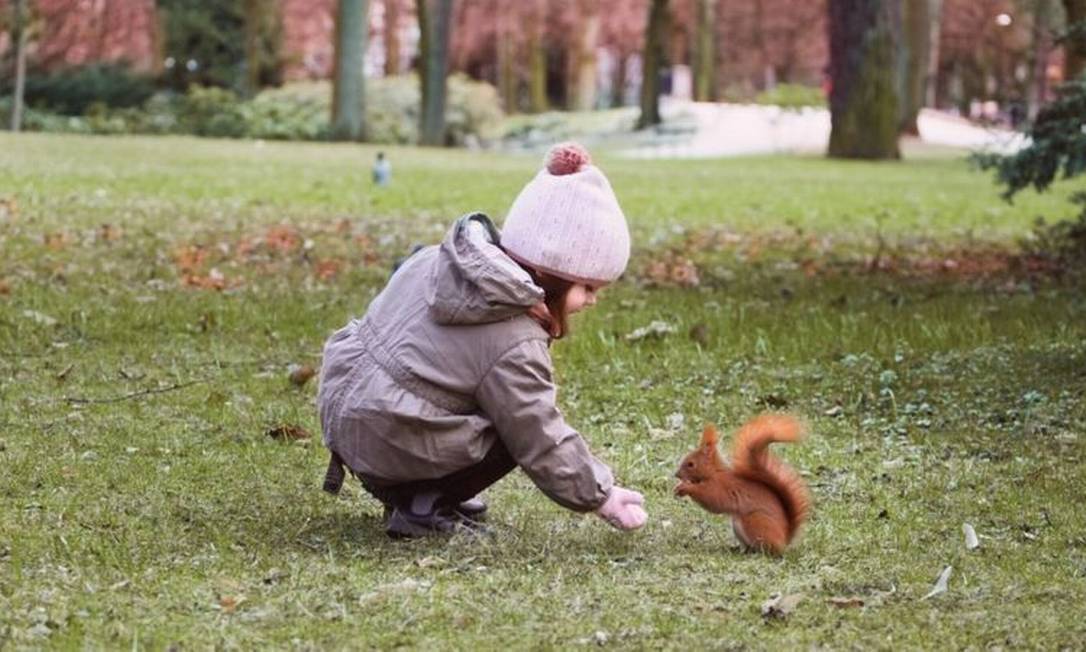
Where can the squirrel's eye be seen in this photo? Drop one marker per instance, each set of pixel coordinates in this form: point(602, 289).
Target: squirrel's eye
point(689, 465)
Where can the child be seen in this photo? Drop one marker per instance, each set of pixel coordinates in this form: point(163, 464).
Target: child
point(445, 384)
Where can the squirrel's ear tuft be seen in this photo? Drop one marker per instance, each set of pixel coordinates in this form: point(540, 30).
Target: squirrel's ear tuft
point(708, 436)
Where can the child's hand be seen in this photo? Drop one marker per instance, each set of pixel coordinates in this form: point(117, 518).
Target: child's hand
point(623, 509)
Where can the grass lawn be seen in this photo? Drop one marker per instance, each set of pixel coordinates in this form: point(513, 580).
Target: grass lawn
point(155, 293)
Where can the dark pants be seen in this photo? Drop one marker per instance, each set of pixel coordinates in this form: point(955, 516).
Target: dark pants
point(451, 489)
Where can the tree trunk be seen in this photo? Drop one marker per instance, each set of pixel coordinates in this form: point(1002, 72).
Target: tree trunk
point(251, 10)
point(392, 37)
point(435, 22)
point(652, 62)
point(537, 60)
point(506, 51)
point(618, 81)
point(935, 14)
point(917, 53)
point(705, 52)
point(1075, 45)
point(865, 106)
point(1040, 45)
point(262, 32)
point(19, 38)
point(348, 90)
point(582, 64)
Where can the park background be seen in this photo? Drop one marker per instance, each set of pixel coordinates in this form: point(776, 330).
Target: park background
point(867, 213)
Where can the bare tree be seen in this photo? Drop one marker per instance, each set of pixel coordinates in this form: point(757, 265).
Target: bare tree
point(19, 39)
point(865, 105)
point(582, 63)
point(537, 58)
point(1040, 46)
point(1075, 41)
point(348, 90)
point(435, 22)
point(653, 61)
point(263, 32)
point(705, 51)
point(391, 33)
point(920, 18)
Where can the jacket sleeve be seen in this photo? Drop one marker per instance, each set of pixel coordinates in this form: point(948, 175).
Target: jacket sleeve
point(518, 395)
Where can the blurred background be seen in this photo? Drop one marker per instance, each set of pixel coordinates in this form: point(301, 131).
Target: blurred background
point(654, 77)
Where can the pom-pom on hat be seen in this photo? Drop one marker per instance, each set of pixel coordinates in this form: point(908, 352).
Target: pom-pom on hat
point(567, 221)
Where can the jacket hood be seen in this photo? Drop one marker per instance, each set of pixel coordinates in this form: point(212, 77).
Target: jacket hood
point(472, 281)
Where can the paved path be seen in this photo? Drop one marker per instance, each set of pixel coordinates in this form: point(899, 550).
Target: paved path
point(703, 130)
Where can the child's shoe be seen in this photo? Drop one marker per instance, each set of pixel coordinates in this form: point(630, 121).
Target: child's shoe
point(403, 524)
point(473, 509)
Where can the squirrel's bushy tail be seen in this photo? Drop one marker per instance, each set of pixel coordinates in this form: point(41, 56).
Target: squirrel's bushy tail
point(751, 459)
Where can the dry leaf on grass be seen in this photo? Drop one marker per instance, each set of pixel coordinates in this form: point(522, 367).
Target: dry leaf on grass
point(40, 318)
point(229, 604)
point(300, 374)
point(780, 606)
point(656, 328)
point(288, 431)
point(971, 540)
point(846, 602)
point(940, 584)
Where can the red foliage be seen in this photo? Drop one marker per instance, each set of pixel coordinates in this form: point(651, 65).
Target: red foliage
point(77, 32)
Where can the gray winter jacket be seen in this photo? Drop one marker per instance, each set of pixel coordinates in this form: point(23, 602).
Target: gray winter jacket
point(445, 362)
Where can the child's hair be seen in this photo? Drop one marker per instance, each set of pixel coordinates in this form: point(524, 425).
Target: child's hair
point(555, 290)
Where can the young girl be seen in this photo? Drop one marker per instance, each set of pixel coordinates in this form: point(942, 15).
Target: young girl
point(445, 384)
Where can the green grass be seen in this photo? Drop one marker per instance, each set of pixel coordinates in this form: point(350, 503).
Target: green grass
point(170, 518)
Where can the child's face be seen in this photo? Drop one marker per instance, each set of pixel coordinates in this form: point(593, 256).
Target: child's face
point(581, 296)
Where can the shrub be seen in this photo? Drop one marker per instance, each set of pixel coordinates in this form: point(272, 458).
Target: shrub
point(296, 112)
point(211, 111)
point(73, 91)
point(792, 96)
point(1057, 148)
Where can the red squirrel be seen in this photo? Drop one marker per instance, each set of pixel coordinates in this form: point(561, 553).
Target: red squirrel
point(766, 498)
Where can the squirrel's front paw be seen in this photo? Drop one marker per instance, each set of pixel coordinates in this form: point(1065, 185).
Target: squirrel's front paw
point(682, 489)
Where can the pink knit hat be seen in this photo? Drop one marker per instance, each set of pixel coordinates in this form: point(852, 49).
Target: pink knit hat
point(567, 221)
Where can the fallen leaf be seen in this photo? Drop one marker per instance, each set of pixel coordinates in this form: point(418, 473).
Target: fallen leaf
point(300, 374)
point(940, 584)
point(282, 238)
point(700, 334)
point(774, 401)
point(57, 240)
point(5, 287)
point(327, 269)
point(430, 562)
point(971, 540)
point(39, 318)
point(213, 280)
point(9, 208)
point(409, 585)
point(109, 232)
point(655, 329)
point(63, 373)
point(780, 606)
point(845, 603)
point(229, 604)
point(189, 257)
point(288, 431)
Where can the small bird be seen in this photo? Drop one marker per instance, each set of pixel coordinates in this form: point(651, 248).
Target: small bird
point(382, 170)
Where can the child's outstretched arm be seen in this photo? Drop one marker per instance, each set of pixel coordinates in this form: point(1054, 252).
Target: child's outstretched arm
point(519, 396)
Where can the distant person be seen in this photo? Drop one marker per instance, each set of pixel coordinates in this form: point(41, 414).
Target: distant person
point(445, 384)
point(382, 170)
